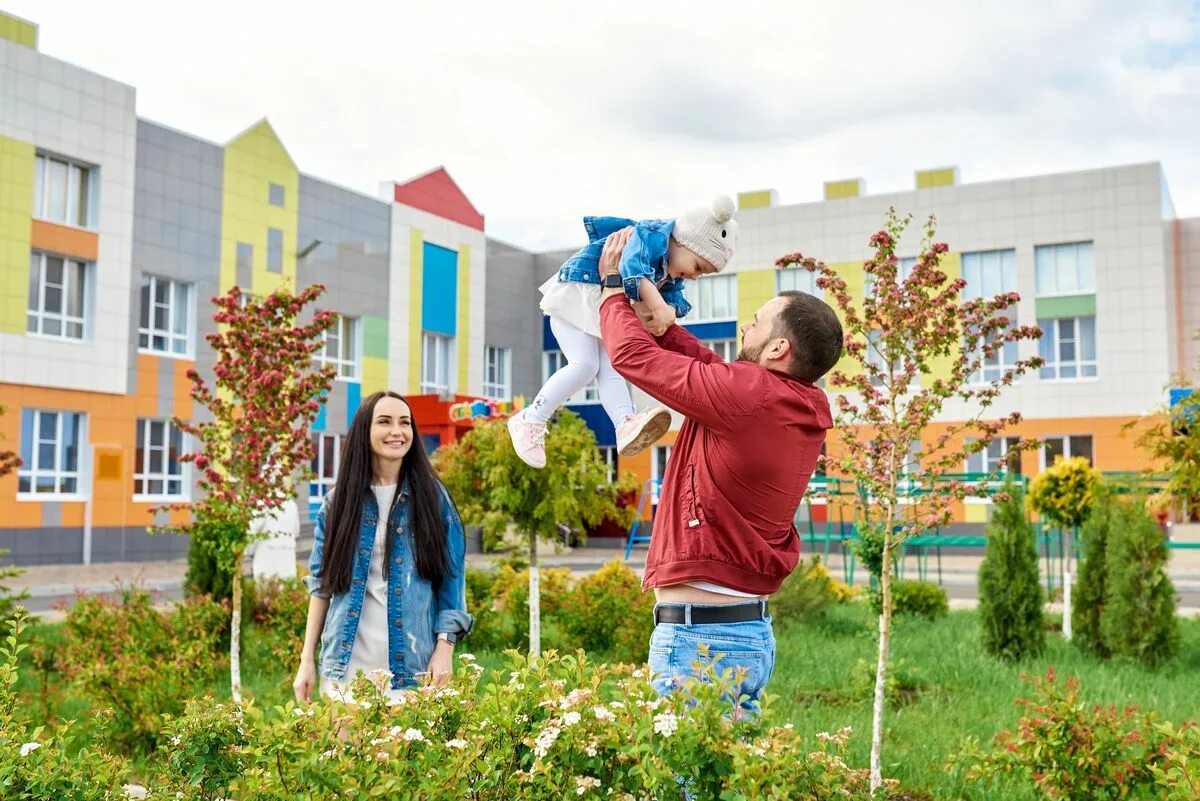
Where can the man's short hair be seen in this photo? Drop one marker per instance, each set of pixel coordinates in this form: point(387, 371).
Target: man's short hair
point(813, 330)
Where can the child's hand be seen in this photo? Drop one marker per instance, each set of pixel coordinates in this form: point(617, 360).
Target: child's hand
point(661, 318)
point(644, 313)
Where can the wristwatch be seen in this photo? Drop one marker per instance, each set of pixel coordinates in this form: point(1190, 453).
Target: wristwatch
point(612, 281)
point(450, 638)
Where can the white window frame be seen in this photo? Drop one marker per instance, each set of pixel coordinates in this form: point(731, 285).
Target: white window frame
point(609, 455)
point(552, 362)
point(987, 458)
point(497, 372)
point(1052, 339)
point(798, 279)
point(32, 470)
point(36, 314)
point(1046, 257)
point(78, 174)
point(437, 373)
point(1069, 450)
point(169, 335)
point(348, 365)
point(702, 297)
point(141, 472)
point(727, 349)
point(321, 484)
point(996, 268)
point(658, 475)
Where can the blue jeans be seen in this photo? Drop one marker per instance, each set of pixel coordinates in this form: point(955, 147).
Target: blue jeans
point(750, 645)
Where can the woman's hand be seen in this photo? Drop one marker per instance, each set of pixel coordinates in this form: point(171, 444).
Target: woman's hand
point(441, 664)
point(306, 680)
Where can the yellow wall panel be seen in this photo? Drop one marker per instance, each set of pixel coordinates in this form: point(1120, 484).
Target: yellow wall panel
point(943, 176)
point(15, 29)
point(16, 210)
point(464, 318)
point(951, 265)
point(416, 266)
point(756, 200)
point(836, 190)
point(754, 288)
point(375, 375)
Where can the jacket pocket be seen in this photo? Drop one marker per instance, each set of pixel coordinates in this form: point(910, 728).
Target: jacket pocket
point(695, 515)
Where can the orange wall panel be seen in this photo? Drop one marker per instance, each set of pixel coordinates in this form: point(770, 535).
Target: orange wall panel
point(64, 240)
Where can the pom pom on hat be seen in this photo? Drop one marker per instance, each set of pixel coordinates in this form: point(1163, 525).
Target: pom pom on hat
point(710, 233)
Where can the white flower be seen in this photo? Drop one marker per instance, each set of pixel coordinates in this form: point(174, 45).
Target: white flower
point(176, 739)
point(381, 756)
point(788, 726)
point(135, 791)
point(603, 713)
point(544, 740)
point(616, 704)
point(456, 743)
point(297, 710)
point(467, 657)
point(446, 692)
point(412, 735)
point(590, 750)
point(585, 783)
point(666, 724)
point(29, 748)
point(570, 718)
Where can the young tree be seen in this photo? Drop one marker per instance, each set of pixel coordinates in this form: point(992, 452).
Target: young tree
point(1010, 592)
point(495, 489)
point(1138, 619)
point(913, 343)
point(263, 399)
point(1091, 591)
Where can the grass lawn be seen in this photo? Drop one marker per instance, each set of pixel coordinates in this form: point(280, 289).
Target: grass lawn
point(823, 680)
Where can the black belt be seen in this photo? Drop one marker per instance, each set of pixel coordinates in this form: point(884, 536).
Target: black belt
point(733, 613)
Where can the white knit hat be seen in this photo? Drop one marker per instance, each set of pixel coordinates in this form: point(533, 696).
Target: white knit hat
point(710, 233)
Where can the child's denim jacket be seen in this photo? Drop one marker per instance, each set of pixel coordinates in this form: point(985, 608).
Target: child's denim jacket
point(644, 257)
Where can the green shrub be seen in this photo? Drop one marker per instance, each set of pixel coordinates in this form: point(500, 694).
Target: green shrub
point(1138, 619)
point(1069, 749)
point(207, 571)
point(8, 598)
point(607, 613)
point(1091, 588)
point(47, 763)
point(1178, 777)
point(278, 608)
point(923, 598)
point(903, 685)
point(808, 591)
point(1010, 591)
point(539, 730)
point(123, 654)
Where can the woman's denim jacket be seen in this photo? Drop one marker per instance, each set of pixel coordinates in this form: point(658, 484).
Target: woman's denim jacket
point(644, 257)
point(417, 612)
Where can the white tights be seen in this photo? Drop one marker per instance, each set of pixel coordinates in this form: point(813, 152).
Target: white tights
point(586, 359)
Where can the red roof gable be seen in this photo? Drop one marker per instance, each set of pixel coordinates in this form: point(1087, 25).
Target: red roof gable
point(436, 193)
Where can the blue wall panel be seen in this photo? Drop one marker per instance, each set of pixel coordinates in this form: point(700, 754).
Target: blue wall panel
point(597, 419)
point(725, 330)
point(439, 290)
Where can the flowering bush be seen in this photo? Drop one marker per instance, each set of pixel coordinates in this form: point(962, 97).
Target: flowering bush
point(279, 610)
point(38, 763)
point(607, 613)
point(546, 728)
point(141, 662)
point(1072, 750)
point(510, 599)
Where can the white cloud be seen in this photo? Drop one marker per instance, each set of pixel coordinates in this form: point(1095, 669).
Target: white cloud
point(547, 111)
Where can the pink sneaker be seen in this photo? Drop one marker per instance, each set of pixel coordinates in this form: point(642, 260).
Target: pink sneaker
point(639, 431)
point(529, 439)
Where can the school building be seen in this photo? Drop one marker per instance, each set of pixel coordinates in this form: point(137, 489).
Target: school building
point(116, 230)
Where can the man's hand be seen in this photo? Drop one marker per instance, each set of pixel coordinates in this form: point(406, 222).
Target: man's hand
point(610, 257)
point(662, 317)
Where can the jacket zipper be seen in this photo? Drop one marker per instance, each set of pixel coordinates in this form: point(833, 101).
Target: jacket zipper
point(695, 521)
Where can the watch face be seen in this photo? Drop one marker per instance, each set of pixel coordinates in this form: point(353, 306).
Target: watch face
point(612, 281)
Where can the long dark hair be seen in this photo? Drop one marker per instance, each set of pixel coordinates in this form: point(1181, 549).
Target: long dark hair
point(344, 515)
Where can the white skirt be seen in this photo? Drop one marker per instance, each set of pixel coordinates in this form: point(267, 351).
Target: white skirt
point(573, 302)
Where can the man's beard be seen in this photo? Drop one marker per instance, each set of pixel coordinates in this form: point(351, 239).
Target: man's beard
point(749, 354)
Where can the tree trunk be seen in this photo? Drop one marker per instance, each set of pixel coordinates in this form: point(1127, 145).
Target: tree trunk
point(535, 600)
point(885, 634)
point(235, 632)
point(1068, 544)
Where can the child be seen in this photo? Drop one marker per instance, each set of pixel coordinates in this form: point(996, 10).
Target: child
point(659, 257)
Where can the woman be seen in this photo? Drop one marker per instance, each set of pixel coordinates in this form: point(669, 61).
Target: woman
point(387, 585)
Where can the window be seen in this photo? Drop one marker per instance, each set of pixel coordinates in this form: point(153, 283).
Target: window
point(341, 348)
point(275, 195)
point(437, 360)
point(904, 268)
point(1000, 454)
point(799, 280)
point(1066, 447)
point(50, 446)
point(61, 191)
point(725, 348)
point(1069, 347)
point(497, 372)
point(274, 250)
point(1065, 269)
point(552, 362)
point(57, 296)
point(609, 455)
point(989, 273)
point(714, 298)
point(165, 322)
point(658, 469)
point(876, 356)
point(327, 454)
point(158, 471)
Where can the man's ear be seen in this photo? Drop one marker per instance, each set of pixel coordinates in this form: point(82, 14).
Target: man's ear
point(780, 348)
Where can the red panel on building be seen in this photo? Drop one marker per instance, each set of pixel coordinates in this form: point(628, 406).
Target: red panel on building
point(437, 193)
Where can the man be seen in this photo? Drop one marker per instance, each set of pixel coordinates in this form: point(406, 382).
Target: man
point(724, 539)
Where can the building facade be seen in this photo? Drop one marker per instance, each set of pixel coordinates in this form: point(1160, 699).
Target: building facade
point(115, 231)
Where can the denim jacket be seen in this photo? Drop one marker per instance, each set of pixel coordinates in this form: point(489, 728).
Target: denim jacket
point(417, 612)
point(644, 257)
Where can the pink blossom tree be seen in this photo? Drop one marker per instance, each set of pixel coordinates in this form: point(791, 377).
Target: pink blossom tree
point(914, 343)
point(263, 400)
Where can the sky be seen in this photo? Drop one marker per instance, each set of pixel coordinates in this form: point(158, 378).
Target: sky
point(546, 111)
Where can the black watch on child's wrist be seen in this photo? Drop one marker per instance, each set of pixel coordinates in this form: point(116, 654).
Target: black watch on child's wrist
point(612, 281)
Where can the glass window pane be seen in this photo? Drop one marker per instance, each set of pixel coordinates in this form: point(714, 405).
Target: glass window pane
point(1053, 450)
point(54, 270)
point(1044, 267)
point(52, 328)
point(57, 192)
point(970, 264)
point(24, 484)
point(174, 488)
point(47, 426)
point(1068, 371)
point(1008, 267)
point(1067, 268)
point(1082, 446)
point(1087, 269)
point(68, 485)
point(77, 288)
point(160, 318)
point(991, 277)
point(27, 437)
point(35, 282)
point(82, 187)
point(144, 314)
point(54, 300)
point(70, 444)
point(46, 454)
point(155, 487)
point(181, 309)
point(1087, 338)
point(39, 185)
point(74, 330)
